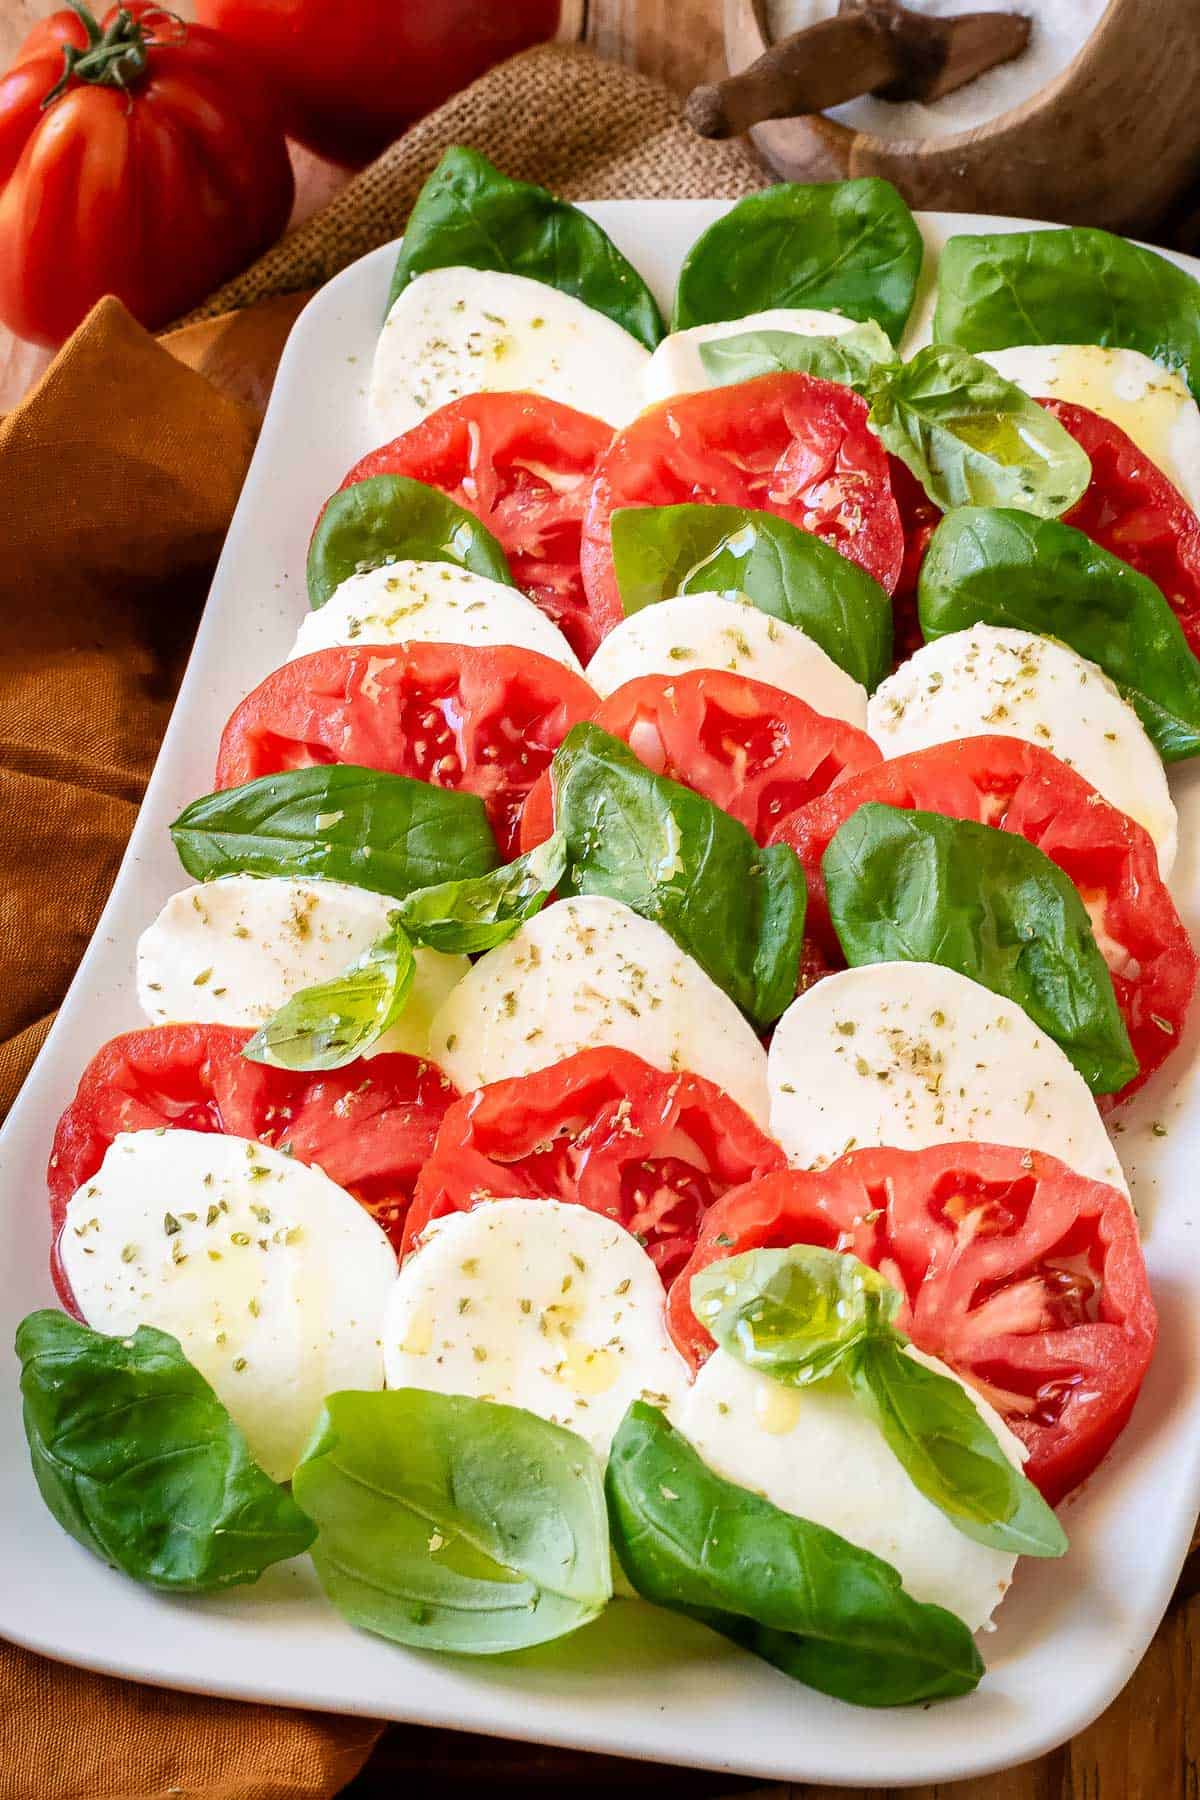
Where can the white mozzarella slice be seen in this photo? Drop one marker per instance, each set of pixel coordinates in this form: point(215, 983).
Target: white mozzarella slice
point(993, 679)
point(913, 1054)
point(232, 951)
point(1152, 405)
point(429, 603)
point(273, 1279)
point(813, 1452)
point(726, 631)
point(539, 1304)
point(676, 368)
point(459, 331)
point(588, 971)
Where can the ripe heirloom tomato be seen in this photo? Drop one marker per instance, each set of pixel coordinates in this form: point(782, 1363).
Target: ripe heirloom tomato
point(142, 158)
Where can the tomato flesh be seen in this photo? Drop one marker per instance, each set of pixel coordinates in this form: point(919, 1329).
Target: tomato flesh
point(1025, 1278)
point(601, 1129)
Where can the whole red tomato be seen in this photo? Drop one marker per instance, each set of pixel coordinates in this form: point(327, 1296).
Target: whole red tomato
point(140, 157)
point(356, 72)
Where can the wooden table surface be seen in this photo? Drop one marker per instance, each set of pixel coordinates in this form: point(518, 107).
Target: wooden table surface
point(1147, 1745)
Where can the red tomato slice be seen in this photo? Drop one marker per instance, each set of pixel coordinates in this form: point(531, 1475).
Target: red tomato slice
point(1018, 787)
point(484, 719)
point(1025, 1278)
point(605, 1130)
point(751, 749)
point(786, 444)
point(919, 518)
point(523, 465)
point(369, 1126)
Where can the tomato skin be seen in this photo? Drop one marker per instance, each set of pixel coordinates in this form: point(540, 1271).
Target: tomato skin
point(523, 465)
point(369, 1126)
point(156, 196)
point(486, 720)
point(1022, 1276)
point(601, 1129)
point(787, 444)
point(751, 749)
point(1015, 786)
point(355, 76)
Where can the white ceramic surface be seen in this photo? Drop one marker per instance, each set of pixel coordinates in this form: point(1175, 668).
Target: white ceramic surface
point(637, 1682)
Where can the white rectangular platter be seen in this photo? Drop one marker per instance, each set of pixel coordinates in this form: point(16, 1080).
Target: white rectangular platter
point(638, 1682)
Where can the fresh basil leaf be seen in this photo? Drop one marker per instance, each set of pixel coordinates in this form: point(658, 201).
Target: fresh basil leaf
point(469, 215)
point(661, 551)
point(465, 917)
point(674, 857)
point(451, 1523)
point(825, 1612)
point(852, 358)
point(1039, 575)
point(387, 519)
point(139, 1461)
point(328, 1025)
point(918, 887)
point(972, 438)
point(1071, 286)
point(840, 246)
point(795, 1314)
point(949, 1453)
point(382, 832)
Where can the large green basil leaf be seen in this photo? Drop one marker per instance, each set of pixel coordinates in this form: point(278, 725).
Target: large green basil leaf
point(139, 1461)
point(1011, 569)
point(661, 551)
point(328, 1025)
point(798, 1595)
point(387, 519)
point(674, 857)
point(918, 887)
point(853, 358)
point(382, 832)
point(466, 917)
point(469, 215)
point(1072, 286)
point(950, 1453)
point(455, 1524)
point(972, 438)
point(839, 246)
point(794, 1314)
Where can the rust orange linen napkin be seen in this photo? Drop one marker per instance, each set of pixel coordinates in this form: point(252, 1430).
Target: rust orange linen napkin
point(117, 479)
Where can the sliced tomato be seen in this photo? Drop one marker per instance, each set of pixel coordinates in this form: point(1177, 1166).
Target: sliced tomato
point(751, 749)
point(919, 519)
point(483, 719)
point(786, 444)
point(602, 1129)
point(523, 465)
point(1019, 787)
point(369, 1126)
point(1025, 1278)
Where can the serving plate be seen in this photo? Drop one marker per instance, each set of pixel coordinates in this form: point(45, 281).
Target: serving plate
point(637, 1682)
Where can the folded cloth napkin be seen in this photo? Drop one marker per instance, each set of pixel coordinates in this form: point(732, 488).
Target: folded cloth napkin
point(118, 476)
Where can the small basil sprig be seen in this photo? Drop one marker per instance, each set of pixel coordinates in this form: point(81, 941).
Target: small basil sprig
point(1005, 568)
point(839, 246)
point(795, 1593)
point(469, 215)
point(1075, 285)
point(454, 1524)
point(328, 1025)
point(467, 917)
point(851, 358)
point(140, 1462)
point(911, 886)
point(387, 519)
point(804, 1314)
point(661, 551)
point(674, 857)
point(383, 832)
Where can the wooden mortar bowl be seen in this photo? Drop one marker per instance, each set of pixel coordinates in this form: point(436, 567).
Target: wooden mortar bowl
point(1112, 141)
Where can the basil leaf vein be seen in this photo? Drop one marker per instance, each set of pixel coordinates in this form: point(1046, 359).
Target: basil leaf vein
point(467, 917)
point(388, 518)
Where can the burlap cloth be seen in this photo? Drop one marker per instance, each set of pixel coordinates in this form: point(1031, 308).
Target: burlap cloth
point(117, 478)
